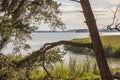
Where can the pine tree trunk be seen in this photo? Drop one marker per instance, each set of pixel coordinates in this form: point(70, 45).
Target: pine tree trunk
point(97, 45)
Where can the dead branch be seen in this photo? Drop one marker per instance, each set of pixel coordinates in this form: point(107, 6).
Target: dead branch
point(115, 22)
point(35, 55)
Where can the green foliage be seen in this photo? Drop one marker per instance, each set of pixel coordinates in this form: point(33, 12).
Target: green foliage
point(115, 70)
point(77, 49)
point(73, 69)
point(33, 11)
point(9, 70)
point(14, 31)
point(111, 46)
point(108, 50)
point(21, 17)
point(52, 57)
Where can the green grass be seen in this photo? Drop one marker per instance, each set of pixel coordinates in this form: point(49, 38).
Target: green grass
point(72, 70)
point(111, 46)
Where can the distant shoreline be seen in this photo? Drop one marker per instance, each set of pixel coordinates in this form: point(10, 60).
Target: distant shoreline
point(75, 31)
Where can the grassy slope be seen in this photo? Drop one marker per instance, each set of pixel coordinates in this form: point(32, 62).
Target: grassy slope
point(114, 41)
point(111, 45)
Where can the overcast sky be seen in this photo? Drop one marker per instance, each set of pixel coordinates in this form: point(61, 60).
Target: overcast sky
point(74, 19)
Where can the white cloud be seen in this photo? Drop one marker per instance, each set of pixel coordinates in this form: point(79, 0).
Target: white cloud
point(69, 8)
point(113, 1)
point(74, 19)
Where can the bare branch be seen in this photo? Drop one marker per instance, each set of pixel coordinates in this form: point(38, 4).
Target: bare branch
point(115, 21)
point(33, 57)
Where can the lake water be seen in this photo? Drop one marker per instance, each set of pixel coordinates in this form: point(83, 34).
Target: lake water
point(39, 39)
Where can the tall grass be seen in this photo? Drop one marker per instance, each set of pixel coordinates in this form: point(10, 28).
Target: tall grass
point(111, 46)
point(73, 70)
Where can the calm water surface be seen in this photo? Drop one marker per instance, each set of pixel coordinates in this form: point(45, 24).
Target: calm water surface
point(39, 39)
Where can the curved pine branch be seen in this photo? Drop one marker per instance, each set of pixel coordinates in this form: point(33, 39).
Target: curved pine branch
point(33, 57)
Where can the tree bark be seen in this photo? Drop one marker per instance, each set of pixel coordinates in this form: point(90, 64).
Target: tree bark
point(97, 45)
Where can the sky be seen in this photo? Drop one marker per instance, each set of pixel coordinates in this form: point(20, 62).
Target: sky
point(74, 19)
